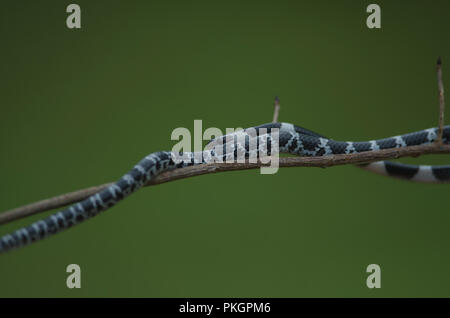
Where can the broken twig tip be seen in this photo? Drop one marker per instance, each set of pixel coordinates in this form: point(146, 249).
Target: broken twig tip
point(276, 105)
point(441, 100)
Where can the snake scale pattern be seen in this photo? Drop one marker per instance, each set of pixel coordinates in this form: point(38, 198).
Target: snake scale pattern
point(291, 139)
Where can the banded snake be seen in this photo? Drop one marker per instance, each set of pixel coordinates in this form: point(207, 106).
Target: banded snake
point(291, 139)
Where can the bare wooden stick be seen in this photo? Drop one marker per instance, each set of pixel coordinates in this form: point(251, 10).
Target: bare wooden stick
point(276, 110)
point(321, 161)
point(441, 100)
point(49, 204)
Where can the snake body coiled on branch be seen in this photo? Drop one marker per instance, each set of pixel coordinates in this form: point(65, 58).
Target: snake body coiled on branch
point(291, 139)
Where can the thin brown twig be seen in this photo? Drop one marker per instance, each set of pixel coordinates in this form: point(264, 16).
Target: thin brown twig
point(276, 109)
point(441, 101)
point(49, 204)
point(322, 161)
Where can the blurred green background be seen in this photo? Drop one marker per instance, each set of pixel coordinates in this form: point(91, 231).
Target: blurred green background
point(80, 107)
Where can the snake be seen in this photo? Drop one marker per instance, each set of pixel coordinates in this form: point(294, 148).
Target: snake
point(250, 142)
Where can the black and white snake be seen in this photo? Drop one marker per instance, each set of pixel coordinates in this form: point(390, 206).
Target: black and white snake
point(291, 139)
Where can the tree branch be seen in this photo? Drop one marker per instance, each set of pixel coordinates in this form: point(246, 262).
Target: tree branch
point(322, 161)
point(182, 173)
